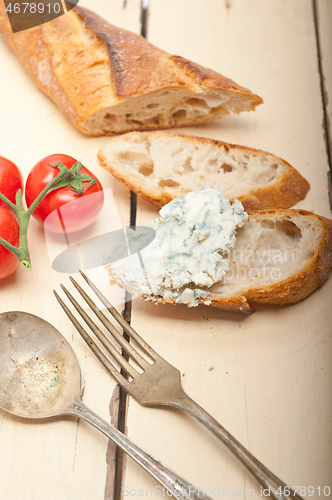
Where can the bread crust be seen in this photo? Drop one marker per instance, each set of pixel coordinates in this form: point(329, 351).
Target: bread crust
point(85, 65)
point(289, 291)
point(285, 191)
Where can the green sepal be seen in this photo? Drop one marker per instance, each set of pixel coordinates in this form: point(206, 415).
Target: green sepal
point(73, 179)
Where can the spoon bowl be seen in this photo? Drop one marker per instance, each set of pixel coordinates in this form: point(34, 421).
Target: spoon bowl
point(39, 372)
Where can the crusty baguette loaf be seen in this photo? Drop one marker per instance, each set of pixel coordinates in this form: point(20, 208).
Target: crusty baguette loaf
point(106, 80)
point(280, 257)
point(161, 166)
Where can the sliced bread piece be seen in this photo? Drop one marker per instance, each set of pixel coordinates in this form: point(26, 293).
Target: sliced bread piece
point(107, 80)
point(279, 257)
point(161, 166)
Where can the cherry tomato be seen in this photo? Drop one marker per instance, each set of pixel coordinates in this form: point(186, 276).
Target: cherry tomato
point(11, 180)
point(62, 210)
point(9, 231)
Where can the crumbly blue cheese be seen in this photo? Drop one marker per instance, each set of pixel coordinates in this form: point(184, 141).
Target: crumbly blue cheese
point(194, 236)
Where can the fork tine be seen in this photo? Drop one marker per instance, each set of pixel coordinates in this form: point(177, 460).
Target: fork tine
point(111, 328)
point(94, 348)
point(117, 316)
point(110, 347)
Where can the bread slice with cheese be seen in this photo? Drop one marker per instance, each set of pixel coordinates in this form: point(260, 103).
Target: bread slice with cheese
point(279, 257)
point(107, 80)
point(161, 166)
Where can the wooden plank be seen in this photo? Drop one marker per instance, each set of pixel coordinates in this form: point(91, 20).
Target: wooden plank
point(324, 20)
point(59, 458)
point(270, 384)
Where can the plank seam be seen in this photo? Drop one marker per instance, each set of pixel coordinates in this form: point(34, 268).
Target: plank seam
point(326, 120)
point(123, 395)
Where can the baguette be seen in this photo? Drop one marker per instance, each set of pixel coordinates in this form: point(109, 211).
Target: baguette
point(107, 80)
point(279, 257)
point(161, 166)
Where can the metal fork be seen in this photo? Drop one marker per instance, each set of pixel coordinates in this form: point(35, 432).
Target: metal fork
point(160, 382)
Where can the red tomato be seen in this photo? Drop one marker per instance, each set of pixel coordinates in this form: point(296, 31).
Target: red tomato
point(9, 231)
point(62, 210)
point(11, 180)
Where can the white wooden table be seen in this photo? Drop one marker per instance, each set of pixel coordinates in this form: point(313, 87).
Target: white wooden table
point(267, 377)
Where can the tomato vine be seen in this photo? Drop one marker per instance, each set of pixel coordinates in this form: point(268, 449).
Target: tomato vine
point(66, 177)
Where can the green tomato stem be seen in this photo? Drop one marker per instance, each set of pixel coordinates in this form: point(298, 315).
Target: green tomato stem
point(8, 202)
point(10, 247)
point(61, 175)
point(23, 217)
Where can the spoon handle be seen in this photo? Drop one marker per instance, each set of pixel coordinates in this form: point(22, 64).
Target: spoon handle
point(179, 487)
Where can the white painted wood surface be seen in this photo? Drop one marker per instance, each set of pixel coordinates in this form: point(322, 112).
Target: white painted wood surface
point(267, 377)
point(271, 379)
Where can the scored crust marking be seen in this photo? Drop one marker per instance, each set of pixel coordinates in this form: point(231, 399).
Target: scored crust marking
point(211, 78)
point(131, 54)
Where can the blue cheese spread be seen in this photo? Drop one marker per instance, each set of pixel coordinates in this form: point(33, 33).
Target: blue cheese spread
point(194, 236)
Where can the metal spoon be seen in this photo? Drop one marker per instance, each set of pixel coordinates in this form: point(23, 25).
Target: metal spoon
point(40, 378)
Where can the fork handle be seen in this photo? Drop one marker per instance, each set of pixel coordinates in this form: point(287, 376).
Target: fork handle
point(179, 487)
point(277, 489)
